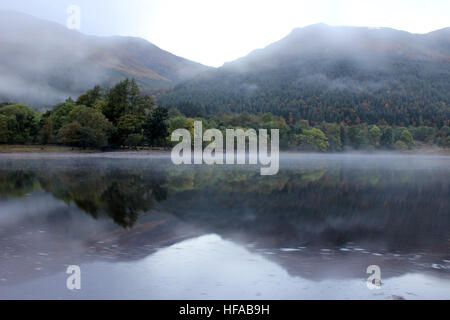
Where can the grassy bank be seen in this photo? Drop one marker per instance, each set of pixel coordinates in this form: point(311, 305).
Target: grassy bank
point(8, 148)
point(5, 148)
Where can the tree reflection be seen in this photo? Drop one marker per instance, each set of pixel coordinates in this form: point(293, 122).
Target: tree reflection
point(118, 193)
point(383, 205)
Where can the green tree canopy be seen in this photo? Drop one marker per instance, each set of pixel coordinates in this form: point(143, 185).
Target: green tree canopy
point(374, 136)
point(87, 128)
point(18, 124)
point(125, 98)
point(157, 127)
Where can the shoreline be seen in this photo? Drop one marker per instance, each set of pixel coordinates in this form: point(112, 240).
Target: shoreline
point(50, 149)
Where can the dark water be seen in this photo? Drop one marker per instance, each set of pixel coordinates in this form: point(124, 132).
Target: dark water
point(141, 228)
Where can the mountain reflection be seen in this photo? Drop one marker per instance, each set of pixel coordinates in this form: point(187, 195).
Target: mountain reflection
point(385, 207)
point(320, 222)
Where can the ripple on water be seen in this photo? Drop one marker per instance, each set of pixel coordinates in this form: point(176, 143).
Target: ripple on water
point(289, 250)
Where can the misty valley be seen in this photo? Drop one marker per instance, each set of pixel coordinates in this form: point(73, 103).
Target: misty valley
point(295, 161)
point(325, 88)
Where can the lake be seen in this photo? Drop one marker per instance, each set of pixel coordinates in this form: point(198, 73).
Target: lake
point(141, 228)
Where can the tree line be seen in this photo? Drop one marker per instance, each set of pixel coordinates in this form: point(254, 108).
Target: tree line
point(100, 118)
point(121, 117)
point(300, 134)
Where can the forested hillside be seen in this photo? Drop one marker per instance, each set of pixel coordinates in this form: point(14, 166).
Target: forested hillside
point(334, 74)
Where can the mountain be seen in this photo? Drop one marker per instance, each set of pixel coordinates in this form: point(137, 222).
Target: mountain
point(43, 63)
point(334, 74)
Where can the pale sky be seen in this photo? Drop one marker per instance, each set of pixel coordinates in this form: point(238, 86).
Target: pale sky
point(213, 32)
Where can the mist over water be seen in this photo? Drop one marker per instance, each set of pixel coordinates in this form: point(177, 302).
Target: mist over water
point(141, 228)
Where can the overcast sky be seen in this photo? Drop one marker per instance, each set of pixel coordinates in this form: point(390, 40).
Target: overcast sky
point(216, 31)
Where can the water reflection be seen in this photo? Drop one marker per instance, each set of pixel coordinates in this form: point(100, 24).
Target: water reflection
point(116, 190)
point(322, 217)
point(214, 268)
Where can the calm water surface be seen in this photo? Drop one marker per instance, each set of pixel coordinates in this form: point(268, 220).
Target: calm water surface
point(142, 228)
